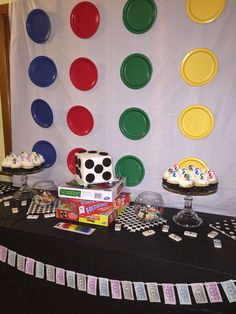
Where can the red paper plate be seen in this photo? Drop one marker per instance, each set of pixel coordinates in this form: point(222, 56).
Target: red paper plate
point(84, 19)
point(80, 120)
point(83, 74)
point(71, 159)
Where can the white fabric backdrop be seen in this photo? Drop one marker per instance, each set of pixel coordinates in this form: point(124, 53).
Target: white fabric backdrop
point(165, 44)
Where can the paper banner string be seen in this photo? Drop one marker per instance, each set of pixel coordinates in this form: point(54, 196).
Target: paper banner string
point(173, 293)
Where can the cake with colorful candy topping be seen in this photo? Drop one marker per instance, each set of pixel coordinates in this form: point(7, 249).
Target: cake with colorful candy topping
point(190, 180)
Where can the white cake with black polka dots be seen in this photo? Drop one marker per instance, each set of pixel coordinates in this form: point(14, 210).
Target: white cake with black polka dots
point(93, 167)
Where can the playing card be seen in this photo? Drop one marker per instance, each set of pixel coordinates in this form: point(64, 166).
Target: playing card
point(169, 293)
point(116, 289)
point(183, 294)
point(60, 276)
point(213, 292)
point(11, 260)
point(92, 285)
point(104, 287)
point(39, 272)
point(127, 290)
point(81, 282)
point(230, 290)
point(70, 279)
point(153, 292)
point(50, 273)
point(140, 291)
point(199, 293)
point(20, 264)
point(3, 254)
point(29, 266)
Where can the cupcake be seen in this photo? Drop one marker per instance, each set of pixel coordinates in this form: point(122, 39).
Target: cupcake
point(201, 184)
point(27, 163)
point(166, 175)
point(16, 164)
point(173, 181)
point(213, 181)
point(186, 184)
point(6, 163)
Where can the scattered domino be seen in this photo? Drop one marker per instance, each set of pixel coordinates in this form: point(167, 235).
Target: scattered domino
point(212, 234)
point(15, 210)
point(50, 215)
point(190, 234)
point(5, 198)
point(147, 233)
point(217, 243)
point(117, 227)
point(6, 203)
point(175, 237)
point(32, 216)
point(165, 228)
point(23, 203)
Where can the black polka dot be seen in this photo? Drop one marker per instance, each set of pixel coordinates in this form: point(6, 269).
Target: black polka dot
point(90, 178)
point(106, 162)
point(98, 169)
point(92, 151)
point(103, 153)
point(79, 162)
point(89, 164)
point(106, 175)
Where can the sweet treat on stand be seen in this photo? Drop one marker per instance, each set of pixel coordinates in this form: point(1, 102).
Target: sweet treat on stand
point(190, 180)
point(22, 162)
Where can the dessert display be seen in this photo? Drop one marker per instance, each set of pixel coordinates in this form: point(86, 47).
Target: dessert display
point(22, 162)
point(190, 180)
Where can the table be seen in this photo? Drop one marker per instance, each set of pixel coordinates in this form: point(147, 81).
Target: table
point(110, 254)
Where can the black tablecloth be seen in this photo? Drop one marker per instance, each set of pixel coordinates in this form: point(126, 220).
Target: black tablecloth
point(110, 254)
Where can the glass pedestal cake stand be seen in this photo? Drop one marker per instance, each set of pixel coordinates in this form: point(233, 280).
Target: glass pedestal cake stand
point(187, 217)
point(24, 192)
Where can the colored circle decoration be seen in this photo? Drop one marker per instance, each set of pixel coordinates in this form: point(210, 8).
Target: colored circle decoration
point(83, 74)
point(139, 15)
point(130, 167)
point(199, 66)
point(136, 71)
point(80, 120)
point(196, 162)
point(134, 123)
point(42, 113)
point(204, 11)
point(47, 150)
point(71, 159)
point(42, 71)
point(196, 121)
point(38, 26)
point(84, 19)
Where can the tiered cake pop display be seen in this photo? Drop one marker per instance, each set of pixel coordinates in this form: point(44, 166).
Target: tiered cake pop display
point(189, 181)
point(23, 165)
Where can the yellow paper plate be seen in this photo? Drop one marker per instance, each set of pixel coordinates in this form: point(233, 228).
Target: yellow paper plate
point(196, 162)
point(196, 122)
point(204, 11)
point(199, 66)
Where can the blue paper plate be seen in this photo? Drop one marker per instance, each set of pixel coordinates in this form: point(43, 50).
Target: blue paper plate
point(38, 26)
point(47, 150)
point(42, 113)
point(42, 71)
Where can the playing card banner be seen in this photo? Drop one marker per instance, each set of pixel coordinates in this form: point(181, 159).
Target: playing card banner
point(173, 293)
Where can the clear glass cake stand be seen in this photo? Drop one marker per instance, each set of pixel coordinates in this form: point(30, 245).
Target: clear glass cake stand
point(25, 192)
point(187, 217)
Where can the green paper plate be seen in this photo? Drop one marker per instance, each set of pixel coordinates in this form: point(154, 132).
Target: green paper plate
point(134, 123)
point(136, 71)
point(139, 15)
point(130, 167)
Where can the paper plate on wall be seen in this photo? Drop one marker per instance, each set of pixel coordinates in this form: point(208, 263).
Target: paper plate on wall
point(139, 15)
point(130, 167)
point(199, 66)
point(80, 120)
point(47, 150)
point(42, 71)
point(196, 121)
point(71, 159)
point(42, 113)
point(134, 123)
point(196, 162)
point(205, 11)
point(136, 71)
point(38, 26)
point(83, 74)
point(84, 19)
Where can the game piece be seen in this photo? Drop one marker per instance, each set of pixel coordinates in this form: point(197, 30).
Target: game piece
point(190, 234)
point(14, 210)
point(217, 243)
point(117, 227)
point(147, 233)
point(165, 228)
point(212, 234)
point(175, 237)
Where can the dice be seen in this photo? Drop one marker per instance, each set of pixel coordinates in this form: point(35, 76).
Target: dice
point(93, 167)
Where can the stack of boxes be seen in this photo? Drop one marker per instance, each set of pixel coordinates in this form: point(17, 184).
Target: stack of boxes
point(85, 200)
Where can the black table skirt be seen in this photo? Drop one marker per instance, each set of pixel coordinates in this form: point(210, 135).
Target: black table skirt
point(114, 255)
